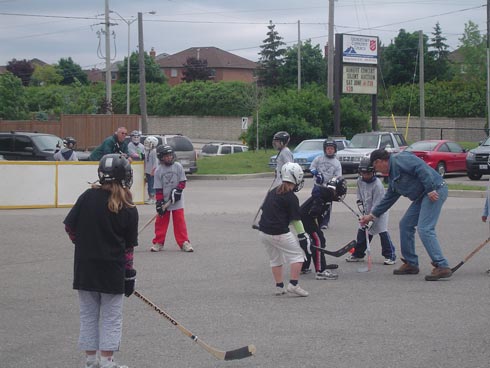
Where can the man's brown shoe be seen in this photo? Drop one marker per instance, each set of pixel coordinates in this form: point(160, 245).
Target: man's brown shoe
point(406, 269)
point(439, 273)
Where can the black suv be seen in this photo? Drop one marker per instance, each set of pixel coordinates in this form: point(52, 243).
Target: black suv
point(29, 146)
point(477, 161)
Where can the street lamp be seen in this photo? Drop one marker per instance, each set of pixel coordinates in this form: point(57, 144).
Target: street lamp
point(128, 80)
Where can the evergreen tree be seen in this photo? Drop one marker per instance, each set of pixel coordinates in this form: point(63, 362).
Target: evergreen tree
point(438, 64)
point(271, 58)
point(472, 49)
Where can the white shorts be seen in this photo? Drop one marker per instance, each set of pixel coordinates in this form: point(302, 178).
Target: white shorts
point(282, 248)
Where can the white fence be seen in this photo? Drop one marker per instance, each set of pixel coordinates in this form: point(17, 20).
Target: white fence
point(45, 184)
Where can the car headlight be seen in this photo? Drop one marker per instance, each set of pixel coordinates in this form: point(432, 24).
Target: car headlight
point(470, 156)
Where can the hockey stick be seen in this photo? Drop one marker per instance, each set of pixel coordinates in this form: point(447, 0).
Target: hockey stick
point(368, 252)
point(473, 252)
point(336, 253)
point(240, 353)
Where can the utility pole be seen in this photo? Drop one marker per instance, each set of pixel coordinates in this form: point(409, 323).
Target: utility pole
point(299, 57)
point(421, 85)
point(141, 60)
point(331, 50)
point(488, 64)
point(108, 74)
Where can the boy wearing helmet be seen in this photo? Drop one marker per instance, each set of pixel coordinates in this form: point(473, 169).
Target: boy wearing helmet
point(135, 149)
point(313, 211)
point(103, 225)
point(169, 184)
point(279, 210)
point(323, 168)
point(280, 142)
point(67, 153)
point(370, 191)
point(151, 163)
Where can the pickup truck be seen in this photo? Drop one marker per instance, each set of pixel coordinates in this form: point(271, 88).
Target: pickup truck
point(362, 144)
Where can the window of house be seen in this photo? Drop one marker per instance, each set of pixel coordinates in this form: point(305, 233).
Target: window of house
point(173, 72)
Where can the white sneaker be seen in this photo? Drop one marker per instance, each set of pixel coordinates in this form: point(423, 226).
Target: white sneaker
point(94, 364)
point(296, 290)
point(187, 247)
point(326, 275)
point(389, 261)
point(280, 291)
point(113, 364)
point(156, 247)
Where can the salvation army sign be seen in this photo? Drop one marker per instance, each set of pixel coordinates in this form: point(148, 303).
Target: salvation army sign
point(359, 49)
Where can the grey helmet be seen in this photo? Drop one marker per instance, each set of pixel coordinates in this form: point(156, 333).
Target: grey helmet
point(115, 168)
point(280, 139)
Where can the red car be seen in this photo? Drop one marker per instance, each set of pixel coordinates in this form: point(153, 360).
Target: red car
point(442, 155)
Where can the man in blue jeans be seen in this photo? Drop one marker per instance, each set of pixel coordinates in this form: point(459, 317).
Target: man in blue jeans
point(411, 177)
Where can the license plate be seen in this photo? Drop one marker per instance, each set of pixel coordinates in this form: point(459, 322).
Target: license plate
point(483, 167)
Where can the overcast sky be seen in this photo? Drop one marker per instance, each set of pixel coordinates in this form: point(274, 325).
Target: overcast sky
point(52, 29)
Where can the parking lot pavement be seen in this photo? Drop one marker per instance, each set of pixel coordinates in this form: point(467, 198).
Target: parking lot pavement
point(223, 293)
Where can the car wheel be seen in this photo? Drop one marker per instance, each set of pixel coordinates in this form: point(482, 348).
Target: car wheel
point(441, 168)
point(474, 176)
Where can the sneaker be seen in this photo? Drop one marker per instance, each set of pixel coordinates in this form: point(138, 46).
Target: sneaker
point(296, 290)
point(439, 273)
point(156, 247)
point(113, 364)
point(326, 275)
point(353, 258)
point(94, 364)
point(306, 271)
point(389, 261)
point(187, 247)
point(324, 227)
point(406, 269)
point(280, 291)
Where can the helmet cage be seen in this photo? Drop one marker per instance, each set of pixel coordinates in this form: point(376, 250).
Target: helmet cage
point(293, 173)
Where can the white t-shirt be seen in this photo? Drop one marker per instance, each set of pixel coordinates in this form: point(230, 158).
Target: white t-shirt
point(167, 178)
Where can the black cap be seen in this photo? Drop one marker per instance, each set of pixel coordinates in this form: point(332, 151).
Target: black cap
point(379, 154)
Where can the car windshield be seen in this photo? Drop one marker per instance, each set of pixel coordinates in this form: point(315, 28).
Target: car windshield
point(309, 146)
point(210, 148)
point(47, 142)
point(486, 142)
point(364, 141)
point(422, 146)
point(180, 143)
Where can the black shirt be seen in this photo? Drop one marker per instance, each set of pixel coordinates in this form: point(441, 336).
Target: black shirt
point(278, 210)
point(101, 238)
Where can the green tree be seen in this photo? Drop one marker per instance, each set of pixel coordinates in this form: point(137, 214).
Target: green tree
point(22, 69)
point(438, 64)
point(271, 58)
point(153, 74)
point(71, 72)
point(196, 70)
point(13, 103)
point(472, 49)
point(313, 65)
point(45, 75)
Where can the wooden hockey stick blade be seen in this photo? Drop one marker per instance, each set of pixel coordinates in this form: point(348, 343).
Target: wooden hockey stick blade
point(240, 353)
point(336, 253)
point(147, 224)
point(473, 252)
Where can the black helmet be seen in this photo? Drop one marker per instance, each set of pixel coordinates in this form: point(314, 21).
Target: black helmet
point(282, 137)
point(329, 143)
point(164, 150)
point(115, 167)
point(69, 141)
point(365, 166)
point(339, 185)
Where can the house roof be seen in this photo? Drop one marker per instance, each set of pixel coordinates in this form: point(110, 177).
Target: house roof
point(215, 57)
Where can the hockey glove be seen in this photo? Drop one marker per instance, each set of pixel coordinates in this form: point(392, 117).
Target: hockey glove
point(159, 208)
point(304, 241)
point(129, 282)
point(175, 195)
point(314, 172)
point(319, 178)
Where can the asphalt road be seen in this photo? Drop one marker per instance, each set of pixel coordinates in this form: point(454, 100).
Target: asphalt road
point(223, 292)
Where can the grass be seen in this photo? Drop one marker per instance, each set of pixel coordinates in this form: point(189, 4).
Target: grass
point(250, 162)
